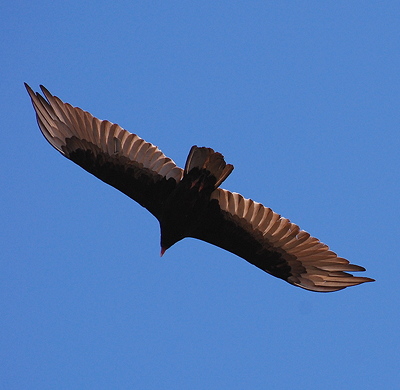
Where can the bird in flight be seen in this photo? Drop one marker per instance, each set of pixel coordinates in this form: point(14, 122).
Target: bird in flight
point(188, 202)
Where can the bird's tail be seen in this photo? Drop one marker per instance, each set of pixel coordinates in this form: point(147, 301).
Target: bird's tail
point(205, 159)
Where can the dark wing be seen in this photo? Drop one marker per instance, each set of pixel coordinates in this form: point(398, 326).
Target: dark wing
point(117, 157)
point(274, 244)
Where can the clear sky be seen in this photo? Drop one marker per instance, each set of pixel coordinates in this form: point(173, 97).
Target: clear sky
point(302, 97)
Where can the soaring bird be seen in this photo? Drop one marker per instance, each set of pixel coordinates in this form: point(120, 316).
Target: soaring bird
point(188, 202)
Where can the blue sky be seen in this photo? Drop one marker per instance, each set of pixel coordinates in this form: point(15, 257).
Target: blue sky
point(302, 97)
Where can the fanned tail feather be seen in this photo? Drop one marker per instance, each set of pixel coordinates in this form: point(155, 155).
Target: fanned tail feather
point(209, 160)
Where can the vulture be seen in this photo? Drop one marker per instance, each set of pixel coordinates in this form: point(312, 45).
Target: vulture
point(189, 202)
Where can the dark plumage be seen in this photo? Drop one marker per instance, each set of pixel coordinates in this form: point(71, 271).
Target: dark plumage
point(189, 202)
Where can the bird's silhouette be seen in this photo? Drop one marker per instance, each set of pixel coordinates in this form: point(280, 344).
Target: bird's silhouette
point(188, 202)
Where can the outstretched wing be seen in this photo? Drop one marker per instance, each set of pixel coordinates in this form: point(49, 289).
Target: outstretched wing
point(274, 244)
point(117, 157)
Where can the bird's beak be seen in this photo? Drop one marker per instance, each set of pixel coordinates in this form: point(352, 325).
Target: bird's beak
point(162, 251)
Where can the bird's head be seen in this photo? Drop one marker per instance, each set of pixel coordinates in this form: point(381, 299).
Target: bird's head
point(169, 237)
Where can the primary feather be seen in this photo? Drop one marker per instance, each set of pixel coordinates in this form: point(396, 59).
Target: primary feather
point(188, 203)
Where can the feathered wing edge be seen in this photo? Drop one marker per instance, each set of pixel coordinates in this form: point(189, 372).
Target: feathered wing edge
point(59, 121)
point(321, 269)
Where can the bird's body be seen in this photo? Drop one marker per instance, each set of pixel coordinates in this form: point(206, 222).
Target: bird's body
point(188, 202)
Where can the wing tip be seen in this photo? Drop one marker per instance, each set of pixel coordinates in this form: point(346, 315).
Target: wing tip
point(328, 284)
point(30, 91)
